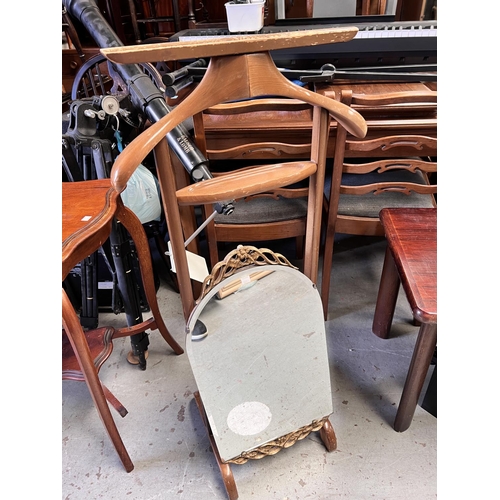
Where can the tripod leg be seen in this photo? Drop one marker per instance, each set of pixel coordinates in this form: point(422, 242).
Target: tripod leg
point(128, 290)
point(120, 249)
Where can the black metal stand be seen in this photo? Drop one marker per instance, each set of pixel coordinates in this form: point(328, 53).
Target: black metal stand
point(88, 154)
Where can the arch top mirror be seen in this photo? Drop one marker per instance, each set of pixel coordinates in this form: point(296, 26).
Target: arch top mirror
point(257, 348)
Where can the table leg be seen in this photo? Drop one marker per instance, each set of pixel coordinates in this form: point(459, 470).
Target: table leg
point(81, 349)
point(420, 362)
point(387, 297)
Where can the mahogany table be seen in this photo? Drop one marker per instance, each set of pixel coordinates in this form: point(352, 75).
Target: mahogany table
point(410, 259)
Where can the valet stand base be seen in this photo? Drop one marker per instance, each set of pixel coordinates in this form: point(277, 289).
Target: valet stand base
point(323, 425)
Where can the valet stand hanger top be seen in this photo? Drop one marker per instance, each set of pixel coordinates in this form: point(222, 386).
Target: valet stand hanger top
point(240, 68)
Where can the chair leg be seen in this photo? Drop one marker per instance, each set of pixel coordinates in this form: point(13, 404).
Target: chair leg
point(387, 297)
point(299, 247)
point(327, 269)
point(420, 362)
point(79, 344)
point(133, 225)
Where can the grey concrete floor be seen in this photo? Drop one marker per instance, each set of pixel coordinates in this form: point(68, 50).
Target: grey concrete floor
point(167, 441)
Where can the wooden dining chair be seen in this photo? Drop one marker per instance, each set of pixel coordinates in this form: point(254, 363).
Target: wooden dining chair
point(392, 170)
point(273, 215)
point(240, 68)
point(88, 211)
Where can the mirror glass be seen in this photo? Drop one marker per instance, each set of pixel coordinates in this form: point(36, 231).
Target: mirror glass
point(261, 366)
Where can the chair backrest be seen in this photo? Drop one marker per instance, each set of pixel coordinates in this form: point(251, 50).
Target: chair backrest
point(395, 169)
point(387, 169)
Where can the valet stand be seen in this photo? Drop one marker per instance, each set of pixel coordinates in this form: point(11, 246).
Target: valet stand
point(240, 67)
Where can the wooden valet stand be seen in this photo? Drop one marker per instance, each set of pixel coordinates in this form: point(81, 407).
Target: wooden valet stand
point(240, 68)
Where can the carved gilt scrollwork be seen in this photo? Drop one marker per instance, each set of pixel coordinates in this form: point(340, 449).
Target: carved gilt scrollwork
point(244, 255)
point(277, 445)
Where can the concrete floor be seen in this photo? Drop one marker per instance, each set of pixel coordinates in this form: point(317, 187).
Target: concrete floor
point(167, 442)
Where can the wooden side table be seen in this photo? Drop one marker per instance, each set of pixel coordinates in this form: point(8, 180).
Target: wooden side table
point(410, 259)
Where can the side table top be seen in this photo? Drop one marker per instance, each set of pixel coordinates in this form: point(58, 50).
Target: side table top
point(412, 238)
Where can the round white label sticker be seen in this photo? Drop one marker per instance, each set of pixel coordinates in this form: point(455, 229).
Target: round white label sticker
point(249, 418)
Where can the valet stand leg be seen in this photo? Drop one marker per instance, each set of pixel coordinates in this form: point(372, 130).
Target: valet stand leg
point(134, 227)
point(420, 362)
point(225, 468)
point(81, 349)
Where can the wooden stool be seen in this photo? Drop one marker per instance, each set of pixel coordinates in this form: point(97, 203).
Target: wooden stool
point(410, 259)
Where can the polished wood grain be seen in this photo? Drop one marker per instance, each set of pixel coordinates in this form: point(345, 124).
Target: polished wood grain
point(411, 260)
point(412, 239)
point(80, 347)
point(101, 346)
point(94, 203)
point(88, 209)
point(294, 226)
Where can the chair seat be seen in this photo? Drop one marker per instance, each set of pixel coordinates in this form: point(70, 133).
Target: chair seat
point(369, 205)
point(265, 210)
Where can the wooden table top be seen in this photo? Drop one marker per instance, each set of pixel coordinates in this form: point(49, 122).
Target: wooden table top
point(412, 237)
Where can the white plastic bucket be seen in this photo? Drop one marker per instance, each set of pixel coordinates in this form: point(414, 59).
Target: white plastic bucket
point(243, 17)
